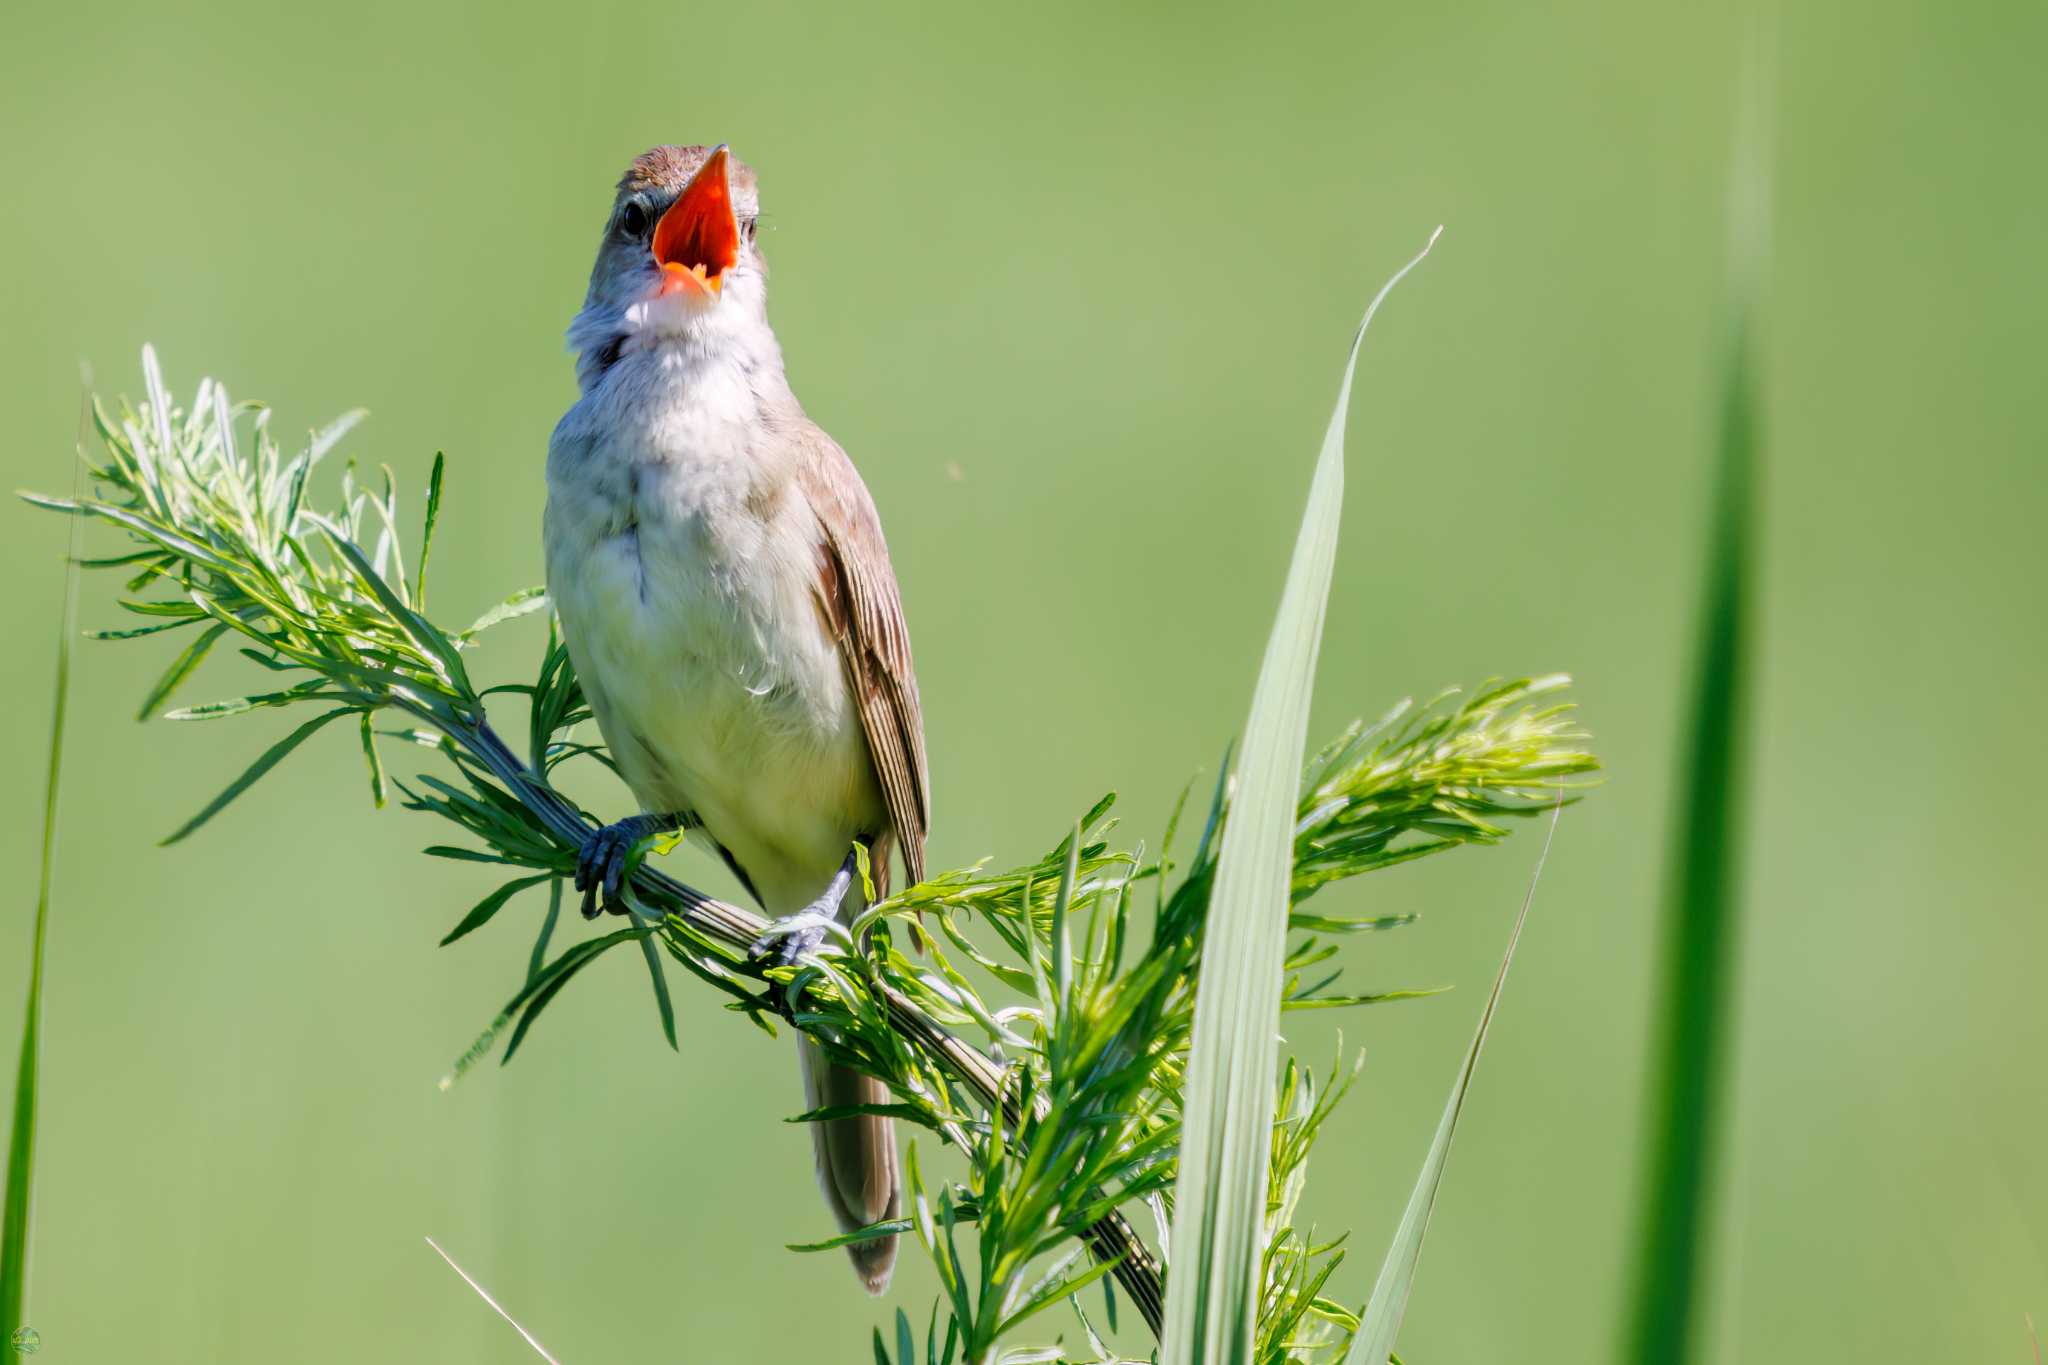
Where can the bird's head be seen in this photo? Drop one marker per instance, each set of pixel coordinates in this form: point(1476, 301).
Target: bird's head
point(678, 257)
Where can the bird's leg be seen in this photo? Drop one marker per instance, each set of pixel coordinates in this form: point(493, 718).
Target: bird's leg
point(800, 934)
point(601, 865)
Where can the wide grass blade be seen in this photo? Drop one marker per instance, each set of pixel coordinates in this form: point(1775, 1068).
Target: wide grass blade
point(1702, 905)
point(21, 1142)
point(1220, 1193)
point(1380, 1323)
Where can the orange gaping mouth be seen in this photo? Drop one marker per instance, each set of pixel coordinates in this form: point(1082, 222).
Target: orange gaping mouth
point(698, 239)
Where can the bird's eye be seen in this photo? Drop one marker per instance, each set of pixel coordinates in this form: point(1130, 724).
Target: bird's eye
point(747, 228)
point(633, 218)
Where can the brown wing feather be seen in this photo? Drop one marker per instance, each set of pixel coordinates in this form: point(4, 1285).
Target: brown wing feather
point(857, 595)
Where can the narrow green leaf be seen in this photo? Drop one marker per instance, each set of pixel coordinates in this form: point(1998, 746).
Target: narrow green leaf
point(1039, 986)
point(1329, 924)
point(522, 603)
point(545, 984)
point(492, 904)
point(889, 1227)
point(1326, 1002)
point(419, 589)
point(462, 855)
point(235, 706)
point(539, 957)
point(119, 561)
point(188, 611)
point(270, 759)
point(1062, 932)
point(662, 1004)
point(137, 632)
point(422, 631)
point(329, 436)
point(1220, 1193)
point(909, 1112)
point(1380, 1323)
point(1702, 903)
point(1217, 798)
point(1047, 1295)
point(181, 668)
point(370, 756)
point(143, 527)
point(651, 951)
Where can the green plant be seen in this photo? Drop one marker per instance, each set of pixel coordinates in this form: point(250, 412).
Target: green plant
point(1702, 916)
point(1065, 1100)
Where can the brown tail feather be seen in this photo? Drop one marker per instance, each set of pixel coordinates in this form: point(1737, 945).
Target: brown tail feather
point(856, 1160)
point(856, 1157)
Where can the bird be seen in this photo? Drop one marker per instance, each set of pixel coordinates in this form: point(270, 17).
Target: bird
point(726, 596)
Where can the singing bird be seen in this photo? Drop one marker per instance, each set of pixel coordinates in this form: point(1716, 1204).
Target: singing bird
point(728, 602)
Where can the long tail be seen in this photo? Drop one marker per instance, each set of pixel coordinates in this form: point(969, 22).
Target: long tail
point(856, 1157)
point(856, 1160)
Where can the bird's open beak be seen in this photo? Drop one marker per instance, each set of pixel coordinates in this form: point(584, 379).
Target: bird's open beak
point(698, 239)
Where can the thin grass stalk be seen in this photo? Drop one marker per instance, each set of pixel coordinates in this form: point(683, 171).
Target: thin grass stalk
point(15, 1214)
point(1379, 1325)
point(529, 1338)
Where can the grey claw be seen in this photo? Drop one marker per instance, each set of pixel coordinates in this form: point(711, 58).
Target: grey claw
point(792, 938)
point(801, 945)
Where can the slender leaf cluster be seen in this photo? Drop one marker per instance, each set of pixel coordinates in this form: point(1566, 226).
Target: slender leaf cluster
point(1036, 1020)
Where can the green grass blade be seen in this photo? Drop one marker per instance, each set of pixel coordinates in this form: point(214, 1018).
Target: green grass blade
point(1220, 1193)
point(1380, 1323)
point(21, 1142)
point(1697, 974)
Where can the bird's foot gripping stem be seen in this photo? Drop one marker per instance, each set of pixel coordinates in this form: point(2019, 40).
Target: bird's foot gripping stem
point(601, 865)
point(793, 938)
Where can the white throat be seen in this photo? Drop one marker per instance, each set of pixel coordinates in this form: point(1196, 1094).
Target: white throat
point(698, 332)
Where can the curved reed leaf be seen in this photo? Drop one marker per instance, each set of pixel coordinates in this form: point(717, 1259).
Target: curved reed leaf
point(1220, 1194)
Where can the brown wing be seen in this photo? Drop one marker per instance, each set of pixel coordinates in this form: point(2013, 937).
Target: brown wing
point(857, 594)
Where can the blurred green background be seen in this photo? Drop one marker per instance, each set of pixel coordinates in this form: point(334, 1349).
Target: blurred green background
point(1072, 285)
